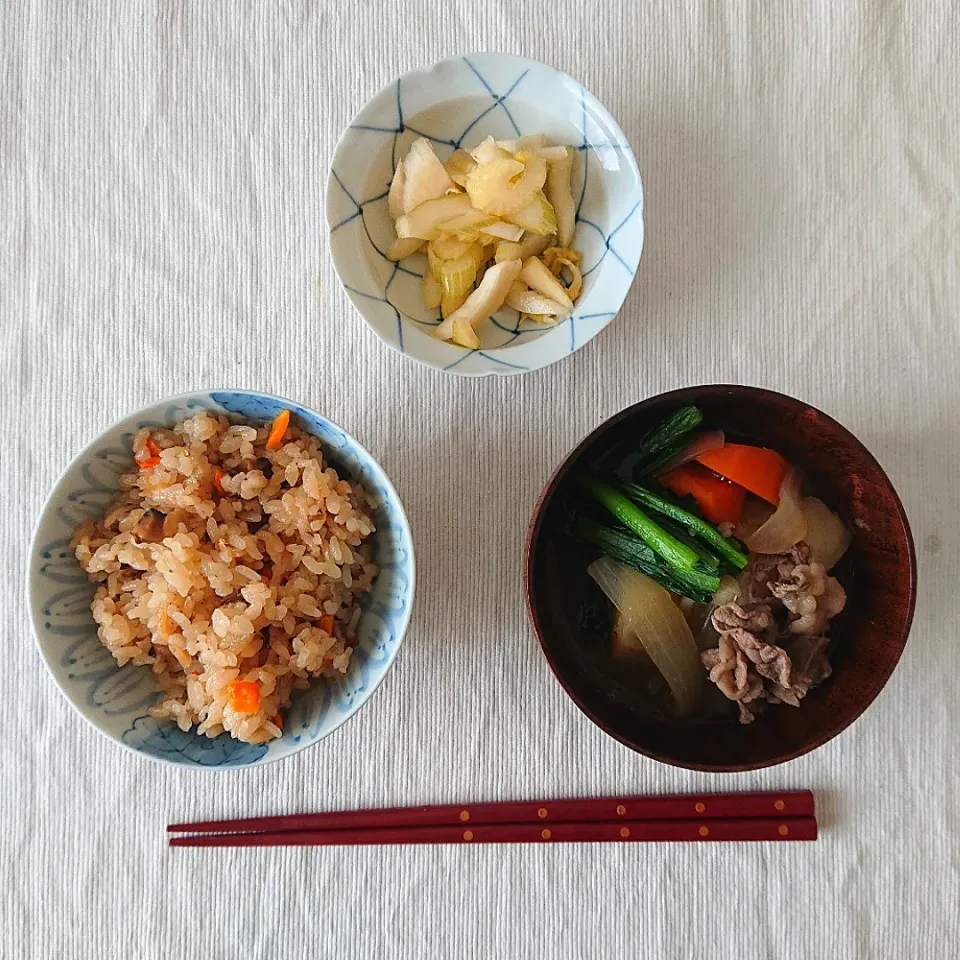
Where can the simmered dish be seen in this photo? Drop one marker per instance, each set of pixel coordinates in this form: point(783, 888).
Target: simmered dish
point(717, 567)
point(496, 224)
point(231, 563)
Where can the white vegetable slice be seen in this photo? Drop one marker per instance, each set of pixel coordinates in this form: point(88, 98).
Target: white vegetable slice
point(505, 186)
point(508, 251)
point(456, 276)
point(533, 245)
point(468, 224)
point(533, 141)
point(565, 253)
point(450, 305)
point(484, 301)
point(561, 199)
point(404, 247)
point(544, 320)
point(537, 216)
point(503, 231)
point(395, 196)
point(424, 176)
point(517, 289)
point(458, 165)
point(539, 278)
point(448, 247)
point(488, 150)
point(523, 299)
point(464, 334)
point(430, 290)
point(426, 220)
point(552, 153)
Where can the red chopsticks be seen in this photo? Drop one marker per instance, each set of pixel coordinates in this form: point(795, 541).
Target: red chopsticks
point(786, 815)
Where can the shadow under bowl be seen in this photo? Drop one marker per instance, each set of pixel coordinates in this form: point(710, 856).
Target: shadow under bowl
point(878, 572)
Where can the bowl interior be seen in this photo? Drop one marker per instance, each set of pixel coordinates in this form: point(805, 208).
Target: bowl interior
point(115, 700)
point(878, 573)
point(458, 103)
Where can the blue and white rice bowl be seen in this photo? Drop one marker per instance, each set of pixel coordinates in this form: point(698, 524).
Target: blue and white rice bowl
point(116, 700)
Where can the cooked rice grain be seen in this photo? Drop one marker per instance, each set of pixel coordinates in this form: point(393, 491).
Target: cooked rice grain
point(210, 588)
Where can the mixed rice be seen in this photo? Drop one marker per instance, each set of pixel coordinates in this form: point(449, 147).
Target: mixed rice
point(232, 562)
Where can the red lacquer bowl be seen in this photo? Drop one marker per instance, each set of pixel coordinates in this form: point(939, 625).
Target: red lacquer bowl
point(879, 573)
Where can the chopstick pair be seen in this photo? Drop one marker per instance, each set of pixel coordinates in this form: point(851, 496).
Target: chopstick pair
point(786, 815)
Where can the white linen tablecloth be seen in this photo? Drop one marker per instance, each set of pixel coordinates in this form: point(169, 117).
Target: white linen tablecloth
point(162, 171)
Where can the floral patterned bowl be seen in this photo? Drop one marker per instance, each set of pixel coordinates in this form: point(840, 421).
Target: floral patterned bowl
point(457, 103)
point(115, 700)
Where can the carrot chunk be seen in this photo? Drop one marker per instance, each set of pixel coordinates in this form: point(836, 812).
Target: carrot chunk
point(719, 500)
point(757, 469)
point(277, 429)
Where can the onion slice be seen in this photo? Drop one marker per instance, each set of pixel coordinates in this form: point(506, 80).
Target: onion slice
point(701, 443)
point(756, 513)
point(508, 251)
point(827, 535)
point(552, 153)
point(430, 290)
point(787, 525)
point(624, 643)
point(650, 613)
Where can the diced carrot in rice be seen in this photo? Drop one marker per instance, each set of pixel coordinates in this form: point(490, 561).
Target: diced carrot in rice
point(244, 696)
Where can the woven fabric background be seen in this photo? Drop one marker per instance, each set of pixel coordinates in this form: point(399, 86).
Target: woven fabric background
point(162, 171)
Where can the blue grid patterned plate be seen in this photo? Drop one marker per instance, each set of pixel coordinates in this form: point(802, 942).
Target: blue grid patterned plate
point(115, 700)
point(457, 103)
